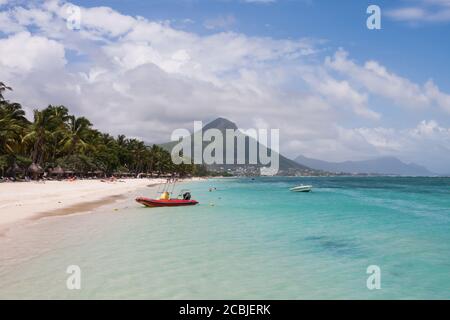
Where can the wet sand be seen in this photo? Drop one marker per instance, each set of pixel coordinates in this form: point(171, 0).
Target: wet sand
point(79, 207)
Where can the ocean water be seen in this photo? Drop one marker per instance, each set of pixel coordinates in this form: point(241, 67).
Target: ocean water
point(249, 239)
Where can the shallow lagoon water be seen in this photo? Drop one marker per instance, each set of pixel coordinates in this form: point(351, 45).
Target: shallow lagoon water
point(249, 239)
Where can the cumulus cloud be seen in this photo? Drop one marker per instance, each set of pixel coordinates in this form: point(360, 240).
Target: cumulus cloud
point(379, 81)
point(440, 98)
point(341, 94)
point(23, 52)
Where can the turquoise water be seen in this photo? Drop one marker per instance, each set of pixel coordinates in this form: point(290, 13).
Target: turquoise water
point(249, 239)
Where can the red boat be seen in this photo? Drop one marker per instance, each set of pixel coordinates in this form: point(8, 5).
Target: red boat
point(165, 203)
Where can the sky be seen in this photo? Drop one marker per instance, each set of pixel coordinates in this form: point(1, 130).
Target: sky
point(311, 68)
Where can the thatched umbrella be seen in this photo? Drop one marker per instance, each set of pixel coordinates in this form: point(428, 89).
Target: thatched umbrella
point(121, 174)
point(35, 170)
point(12, 171)
point(99, 173)
point(58, 171)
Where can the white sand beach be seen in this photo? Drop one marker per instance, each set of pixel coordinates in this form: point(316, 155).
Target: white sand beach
point(24, 200)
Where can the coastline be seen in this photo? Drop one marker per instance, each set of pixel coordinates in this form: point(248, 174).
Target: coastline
point(21, 201)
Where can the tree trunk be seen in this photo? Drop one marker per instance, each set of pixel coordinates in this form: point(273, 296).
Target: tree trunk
point(14, 169)
point(34, 153)
point(73, 146)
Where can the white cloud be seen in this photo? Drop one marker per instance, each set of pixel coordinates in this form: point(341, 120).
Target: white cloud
point(341, 94)
point(379, 81)
point(442, 99)
point(7, 25)
point(408, 13)
point(220, 22)
point(106, 21)
point(32, 16)
point(422, 11)
point(23, 52)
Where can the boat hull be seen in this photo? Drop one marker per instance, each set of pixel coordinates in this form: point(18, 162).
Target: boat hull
point(165, 203)
point(302, 189)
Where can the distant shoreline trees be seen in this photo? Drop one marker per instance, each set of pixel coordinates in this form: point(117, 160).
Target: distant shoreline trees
point(57, 139)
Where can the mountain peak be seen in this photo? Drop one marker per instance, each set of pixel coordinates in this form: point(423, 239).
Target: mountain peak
point(286, 166)
point(221, 123)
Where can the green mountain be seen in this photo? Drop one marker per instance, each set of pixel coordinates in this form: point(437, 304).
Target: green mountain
point(286, 166)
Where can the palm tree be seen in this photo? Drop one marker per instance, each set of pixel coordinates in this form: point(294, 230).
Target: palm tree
point(3, 88)
point(136, 150)
point(38, 133)
point(47, 123)
point(103, 149)
point(122, 140)
point(12, 122)
point(3, 165)
point(122, 152)
point(15, 111)
point(161, 160)
point(155, 155)
point(12, 126)
point(78, 130)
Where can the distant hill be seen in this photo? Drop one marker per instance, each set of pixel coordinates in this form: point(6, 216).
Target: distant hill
point(384, 165)
point(287, 166)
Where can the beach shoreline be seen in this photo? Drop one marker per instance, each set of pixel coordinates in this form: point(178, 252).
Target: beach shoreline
point(22, 201)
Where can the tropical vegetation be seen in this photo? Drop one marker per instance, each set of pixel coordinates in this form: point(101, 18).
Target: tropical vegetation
point(57, 141)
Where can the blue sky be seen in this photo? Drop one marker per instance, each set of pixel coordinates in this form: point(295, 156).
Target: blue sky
point(337, 90)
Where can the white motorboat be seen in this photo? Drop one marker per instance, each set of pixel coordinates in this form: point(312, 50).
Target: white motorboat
point(302, 188)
